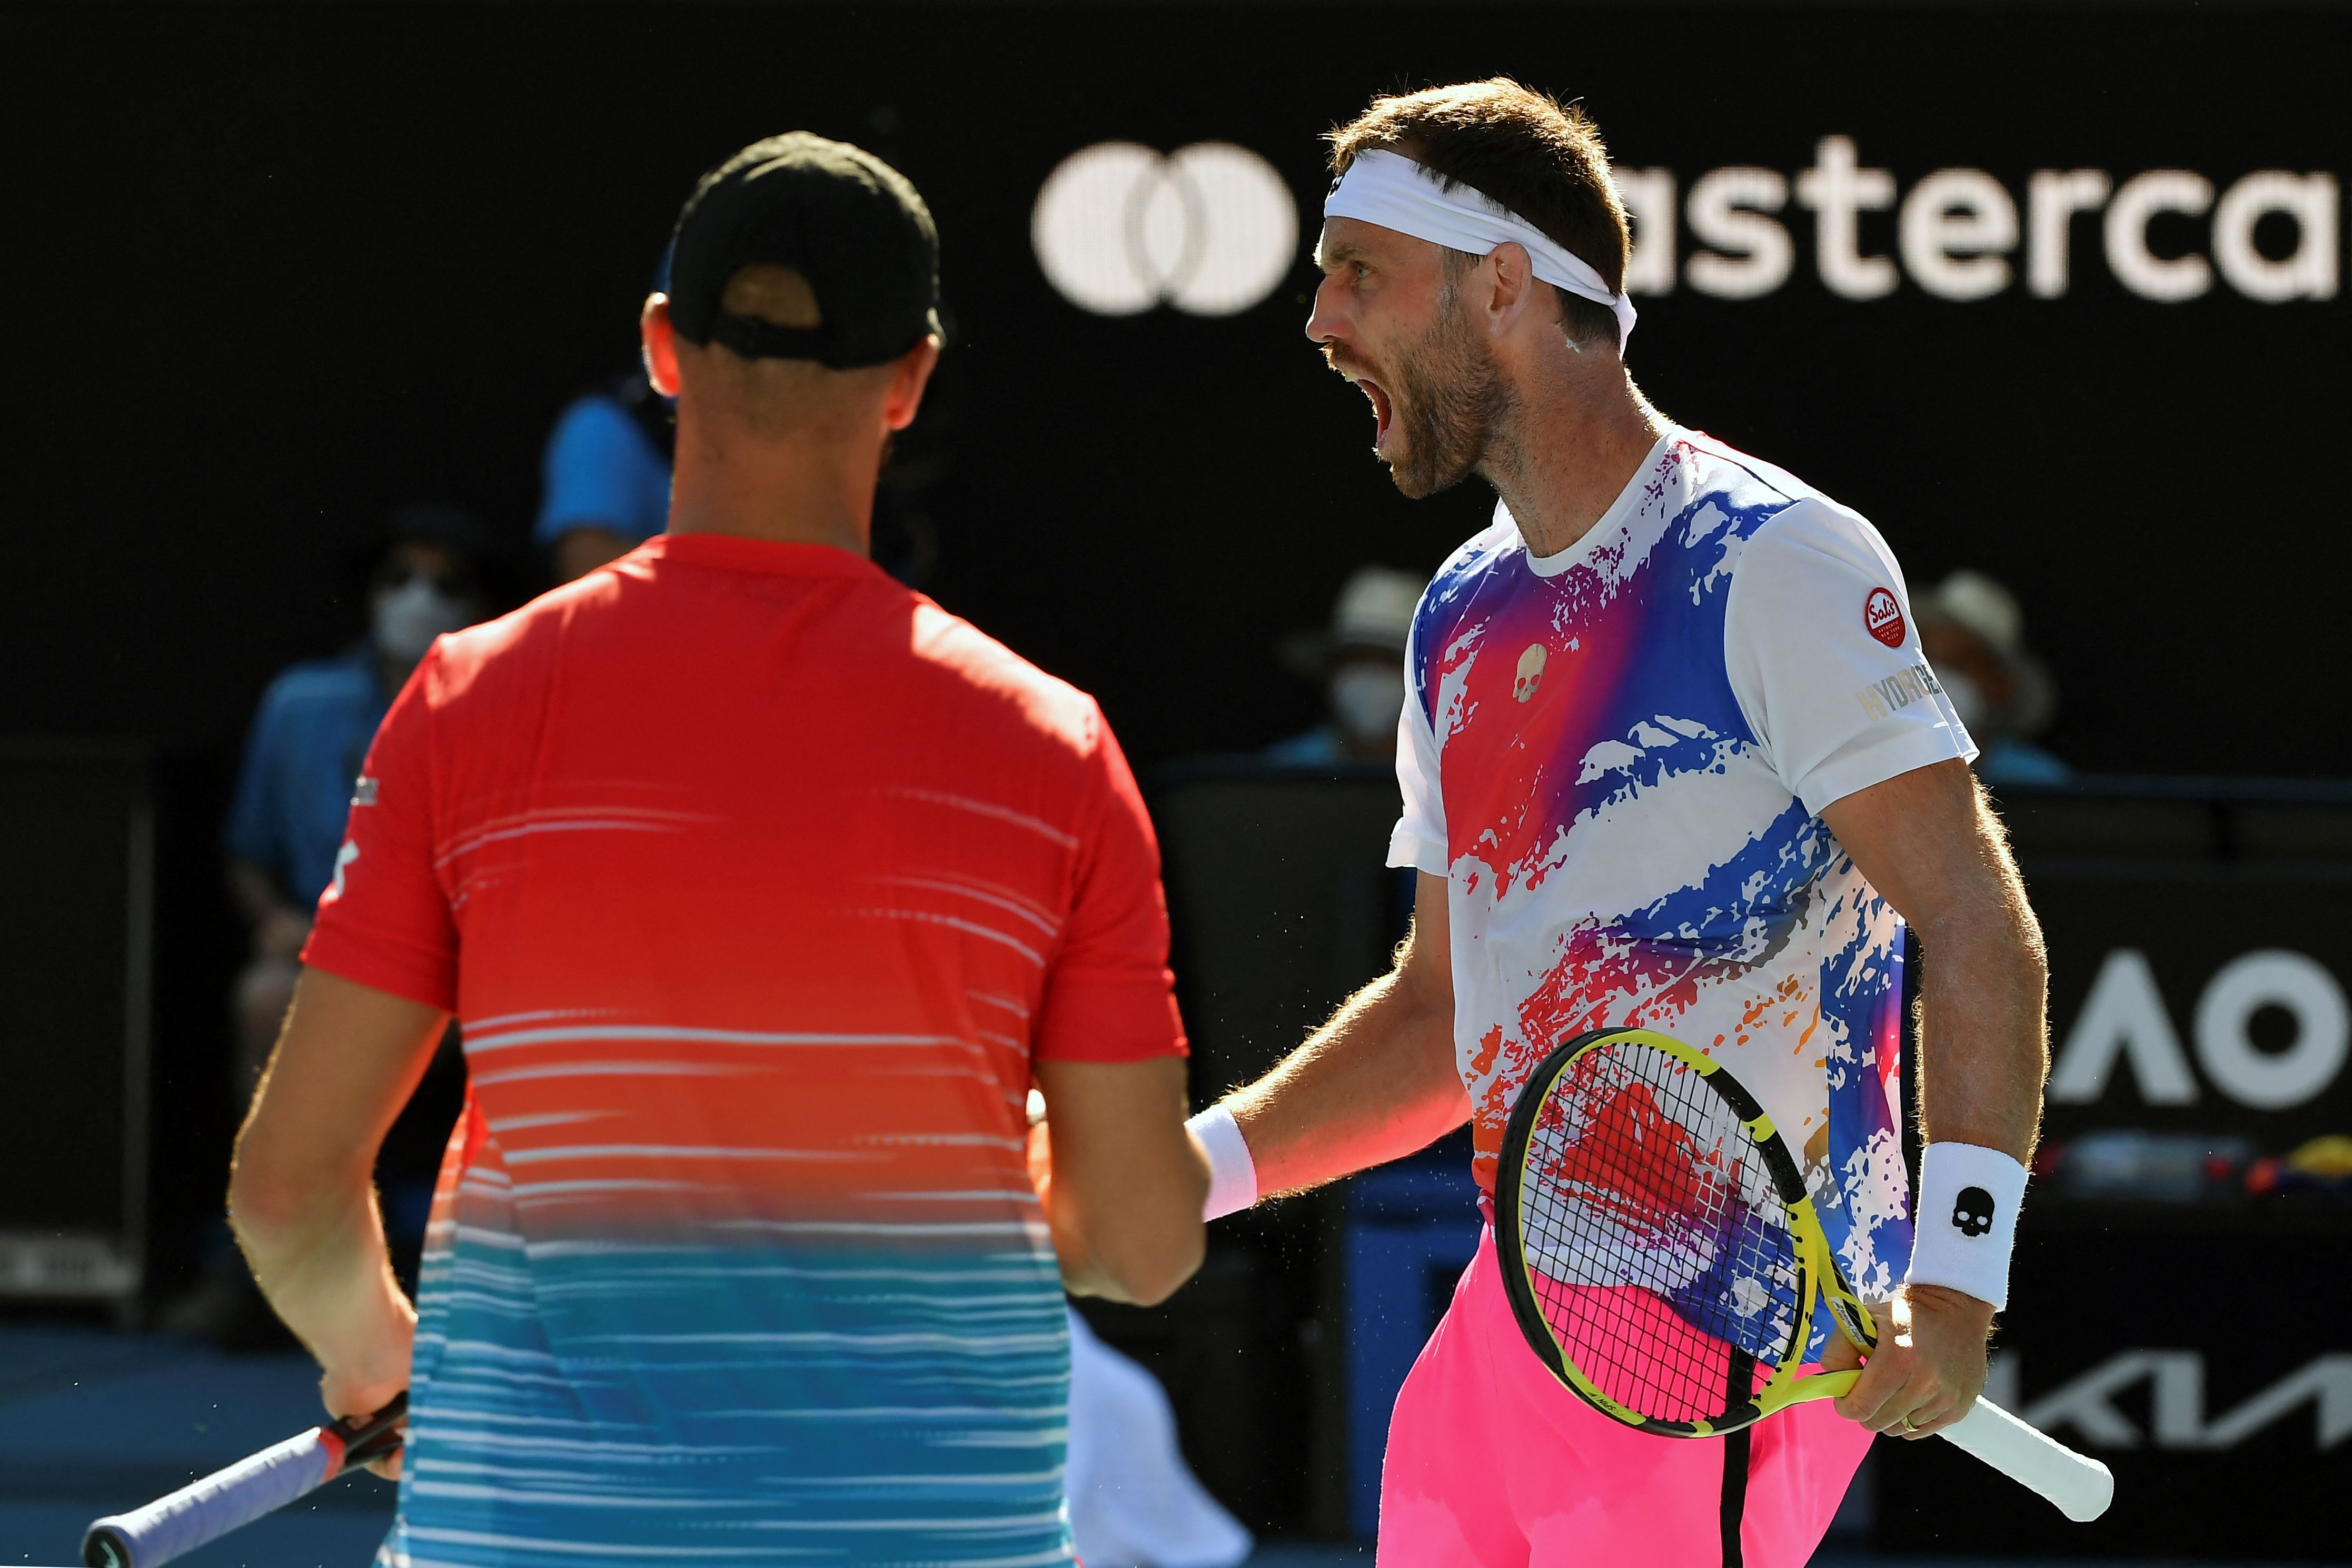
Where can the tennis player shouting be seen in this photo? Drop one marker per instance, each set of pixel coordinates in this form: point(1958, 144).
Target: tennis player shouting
point(1672, 757)
point(763, 887)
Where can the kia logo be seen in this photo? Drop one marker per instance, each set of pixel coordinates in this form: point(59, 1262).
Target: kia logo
point(1211, 228)
point(2175, 1401)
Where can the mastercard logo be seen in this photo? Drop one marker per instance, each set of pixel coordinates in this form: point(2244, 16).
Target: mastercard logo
point(1210, 229)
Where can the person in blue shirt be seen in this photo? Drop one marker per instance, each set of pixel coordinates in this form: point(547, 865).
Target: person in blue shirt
point(1973, 632)
point(283, 836)
point(309, 737)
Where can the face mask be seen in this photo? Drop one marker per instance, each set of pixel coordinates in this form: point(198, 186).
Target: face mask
point(1969, 704)
point(1366, 700)
point(407, 619)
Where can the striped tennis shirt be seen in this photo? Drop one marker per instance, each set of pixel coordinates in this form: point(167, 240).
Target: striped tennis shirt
point(757, 883)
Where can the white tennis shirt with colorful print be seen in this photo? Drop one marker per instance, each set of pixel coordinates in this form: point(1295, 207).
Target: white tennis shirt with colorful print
point(1618, 757)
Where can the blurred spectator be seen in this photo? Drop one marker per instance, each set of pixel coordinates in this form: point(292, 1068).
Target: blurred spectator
point(308, 741)
point(286, 825)
point(606, 475)
point(1361, 662)
point(1973, 632)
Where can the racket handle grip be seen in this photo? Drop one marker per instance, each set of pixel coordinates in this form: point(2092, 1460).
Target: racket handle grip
point(204, 1509)
point(2081, 1486)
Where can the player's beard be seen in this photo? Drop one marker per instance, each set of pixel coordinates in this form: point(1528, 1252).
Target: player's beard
point(1452, 399)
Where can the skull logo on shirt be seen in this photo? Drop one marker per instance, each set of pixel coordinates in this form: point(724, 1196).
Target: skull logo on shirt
point(1530, 676)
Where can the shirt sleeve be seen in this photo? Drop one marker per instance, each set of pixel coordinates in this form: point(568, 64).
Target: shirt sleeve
point(1824, 657)
point(593, 474)
point(1109, 997)
point(385, 920)
point(1419, 839)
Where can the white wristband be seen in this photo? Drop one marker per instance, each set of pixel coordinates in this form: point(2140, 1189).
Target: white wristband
point(1967, 1224)
point(1232, 1174)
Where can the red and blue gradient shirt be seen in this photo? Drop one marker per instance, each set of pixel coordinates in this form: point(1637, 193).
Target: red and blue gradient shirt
point(757, 883)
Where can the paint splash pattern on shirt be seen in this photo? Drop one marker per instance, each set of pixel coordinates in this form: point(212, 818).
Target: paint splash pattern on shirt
point(1621, 852)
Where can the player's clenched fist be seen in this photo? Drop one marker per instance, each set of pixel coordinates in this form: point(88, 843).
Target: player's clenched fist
point(1929, 1365)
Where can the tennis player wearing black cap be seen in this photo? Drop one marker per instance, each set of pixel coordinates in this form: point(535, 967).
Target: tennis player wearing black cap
point(764, 889)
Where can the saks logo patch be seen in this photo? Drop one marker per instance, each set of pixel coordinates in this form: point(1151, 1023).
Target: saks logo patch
point(1882, 618)
point(1899, 691)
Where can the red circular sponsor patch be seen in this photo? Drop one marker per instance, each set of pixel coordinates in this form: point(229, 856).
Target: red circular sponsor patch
point(1882, 616)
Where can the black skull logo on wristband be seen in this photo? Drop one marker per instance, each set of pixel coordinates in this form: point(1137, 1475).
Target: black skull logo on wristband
point(1972, 1211)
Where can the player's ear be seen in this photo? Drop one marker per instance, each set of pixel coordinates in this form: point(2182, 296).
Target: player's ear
point(908, 379)
point(660, 341)
point(1511, 284)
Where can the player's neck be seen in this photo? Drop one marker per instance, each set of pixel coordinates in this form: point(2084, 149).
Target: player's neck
point(1568, 454)
point(792, 492)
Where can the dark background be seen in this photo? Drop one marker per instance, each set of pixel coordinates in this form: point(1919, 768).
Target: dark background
point(276, 268)
point(273, 270)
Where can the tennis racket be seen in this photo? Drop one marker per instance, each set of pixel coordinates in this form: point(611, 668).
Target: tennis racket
point(209, 1509)
point(1662, 1256)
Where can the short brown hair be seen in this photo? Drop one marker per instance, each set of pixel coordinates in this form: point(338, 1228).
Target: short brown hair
point(1524, 149)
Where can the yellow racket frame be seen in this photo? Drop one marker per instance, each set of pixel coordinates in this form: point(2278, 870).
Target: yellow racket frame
point(1818, 1278)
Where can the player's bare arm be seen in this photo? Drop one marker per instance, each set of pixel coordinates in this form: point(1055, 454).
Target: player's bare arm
point(302, 1193)
point(1120, 1179)
point(1927, 840)
point(1376, 1082)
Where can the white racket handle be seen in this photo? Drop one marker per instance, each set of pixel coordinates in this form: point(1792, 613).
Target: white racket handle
point(204, 1509)
point(2081, 1486)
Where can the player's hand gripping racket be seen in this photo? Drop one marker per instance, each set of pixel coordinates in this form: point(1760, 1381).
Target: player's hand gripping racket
point(1660, 1253)
point(206, 1510)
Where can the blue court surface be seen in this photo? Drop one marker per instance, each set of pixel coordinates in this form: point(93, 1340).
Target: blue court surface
point(92, 1422)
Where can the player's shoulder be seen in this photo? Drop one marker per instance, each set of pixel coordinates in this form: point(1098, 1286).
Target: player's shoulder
point(524, 639)
point(1492, 546)
point(1720, 466)
point(972, 670)
point(1483, 550)
point(1778, 513)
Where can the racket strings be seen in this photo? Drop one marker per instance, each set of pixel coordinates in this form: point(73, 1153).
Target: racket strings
point(1659, 1250)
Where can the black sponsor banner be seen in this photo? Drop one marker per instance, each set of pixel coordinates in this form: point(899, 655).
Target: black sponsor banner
point(2202, 1353)
point(2186, 1248)
point(2200, 965)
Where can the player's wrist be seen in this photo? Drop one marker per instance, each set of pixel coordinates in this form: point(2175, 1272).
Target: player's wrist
point(364, 1345)
point(1233, 1174)
point(1965, 1227)
point(1947, 1302)
point(365, 1385)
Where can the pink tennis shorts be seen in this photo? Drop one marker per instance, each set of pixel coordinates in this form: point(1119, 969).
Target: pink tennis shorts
point(1492, 1464)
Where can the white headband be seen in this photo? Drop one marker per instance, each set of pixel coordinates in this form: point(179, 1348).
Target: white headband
point(1394, 192)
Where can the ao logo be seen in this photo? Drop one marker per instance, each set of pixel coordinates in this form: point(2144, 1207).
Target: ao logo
point(1209, 228)
point(2124, 1021)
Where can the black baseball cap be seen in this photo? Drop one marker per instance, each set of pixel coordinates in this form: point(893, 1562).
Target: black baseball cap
point(843, 218)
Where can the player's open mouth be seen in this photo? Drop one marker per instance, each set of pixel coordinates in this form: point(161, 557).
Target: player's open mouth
point(1382, 409)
